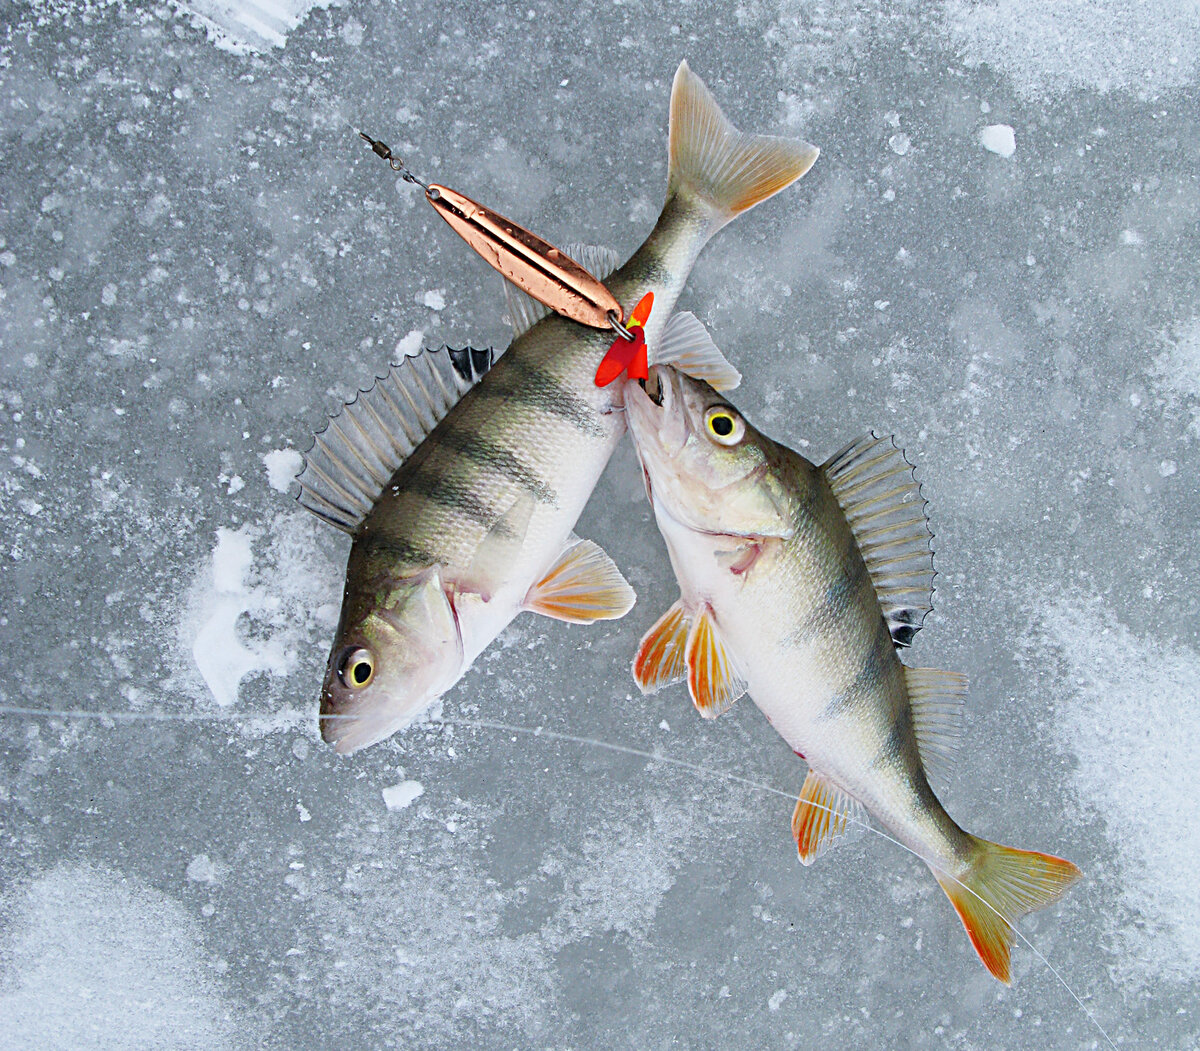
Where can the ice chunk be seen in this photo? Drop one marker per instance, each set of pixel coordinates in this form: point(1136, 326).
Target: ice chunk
point(999, 139)
point(397, 797)
point(282, 467)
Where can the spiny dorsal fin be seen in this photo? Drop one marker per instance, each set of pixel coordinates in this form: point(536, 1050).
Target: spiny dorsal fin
point(713, 677)
point(355, 455)
point(686, 344)
point(584, 585)
point(823, 812)
point(875, 485)
point(937, 699)
point(524, 311)
point(660, 656)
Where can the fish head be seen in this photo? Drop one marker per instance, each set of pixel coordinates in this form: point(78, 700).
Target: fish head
point(704, 464)
point(398, 649)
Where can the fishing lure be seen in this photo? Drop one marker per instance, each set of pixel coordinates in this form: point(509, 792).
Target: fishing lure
point(534, 265)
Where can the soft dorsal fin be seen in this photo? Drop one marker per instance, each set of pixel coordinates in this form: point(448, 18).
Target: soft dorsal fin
point(355, 455)
point(713, 677)
point(686, 344)
point(660, 656)
point(937, 699)
point(584, 585)
point(524, 311)
point(822, 813)
point(882, 501)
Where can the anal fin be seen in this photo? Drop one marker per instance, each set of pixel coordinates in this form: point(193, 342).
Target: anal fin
point(713, 677)
point(584, 585)
point(660, 656)
point(822, 813)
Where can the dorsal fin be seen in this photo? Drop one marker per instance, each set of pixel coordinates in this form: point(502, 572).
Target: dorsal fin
point(355, 455)
point(524, 311)
point(937, 699)
point(875, 485)
point(686, 344)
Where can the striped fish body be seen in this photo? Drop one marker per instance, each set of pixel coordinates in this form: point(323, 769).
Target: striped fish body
point(797, 585)
point(806, 631)
point(472, 522)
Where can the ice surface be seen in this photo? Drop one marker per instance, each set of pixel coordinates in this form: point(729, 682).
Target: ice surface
point(1130, 716)
point(199, 261)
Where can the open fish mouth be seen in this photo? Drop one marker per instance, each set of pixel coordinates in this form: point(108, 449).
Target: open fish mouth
point(653, 387)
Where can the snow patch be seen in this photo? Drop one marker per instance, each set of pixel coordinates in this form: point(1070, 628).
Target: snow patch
point(1131, 721)
point(282, 467)
point(1049, 47)
point(397, 797)
point(244, 26)
point(410, 344)
point(244, 615)
point(435, 299)
point(999, 139)
point(94, 959)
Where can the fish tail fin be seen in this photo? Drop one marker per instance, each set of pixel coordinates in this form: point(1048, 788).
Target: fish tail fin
point(997, 888)
point(725, 169)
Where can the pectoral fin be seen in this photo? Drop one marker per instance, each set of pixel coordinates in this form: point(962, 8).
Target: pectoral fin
point(686, 344)
point(660, 656)
point(713, 677)
point(582, 586)
point(822, 813)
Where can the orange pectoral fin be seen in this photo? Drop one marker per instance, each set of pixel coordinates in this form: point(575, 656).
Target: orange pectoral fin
point(713, 678)
point(582, 586)
point(660, 656)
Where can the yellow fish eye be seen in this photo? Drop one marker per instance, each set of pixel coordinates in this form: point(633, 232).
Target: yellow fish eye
point(723, 425)
point(357, 669)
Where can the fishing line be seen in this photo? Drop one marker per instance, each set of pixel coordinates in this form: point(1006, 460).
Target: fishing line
point(594, 742)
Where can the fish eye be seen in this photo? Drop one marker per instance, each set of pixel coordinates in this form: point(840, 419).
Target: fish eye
point(357, 669)
point(724, 425)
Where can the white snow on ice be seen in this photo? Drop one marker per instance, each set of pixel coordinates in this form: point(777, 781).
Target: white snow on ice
point(999, 139)
point(93, 959)
point(241, 26)
point(288, 596)
point(282, 467)
point(397, 797)
point(1054, 46)
point(1131, 718)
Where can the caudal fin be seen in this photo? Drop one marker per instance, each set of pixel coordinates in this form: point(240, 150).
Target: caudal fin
point(726, 169)
point(999, 887)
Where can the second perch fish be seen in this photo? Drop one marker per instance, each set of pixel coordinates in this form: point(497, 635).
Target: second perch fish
point(798, 584)
point(461, 499)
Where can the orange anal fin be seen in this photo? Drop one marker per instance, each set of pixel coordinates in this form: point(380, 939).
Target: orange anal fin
point(582, 586)
point(823, 812)
point(999, 887)
point(713, 678)
point(660, 656)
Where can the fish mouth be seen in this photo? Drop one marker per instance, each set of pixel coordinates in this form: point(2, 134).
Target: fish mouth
point(653, 386)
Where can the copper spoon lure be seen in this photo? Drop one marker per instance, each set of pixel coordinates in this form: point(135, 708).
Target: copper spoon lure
point(533, 265)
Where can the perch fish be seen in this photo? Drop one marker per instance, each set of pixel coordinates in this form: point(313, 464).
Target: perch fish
point(460, 484)
point(798, 584)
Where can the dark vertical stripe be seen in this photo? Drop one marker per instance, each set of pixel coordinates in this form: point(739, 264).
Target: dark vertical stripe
point(488, 454)
point(451, 493)
point(513, 380)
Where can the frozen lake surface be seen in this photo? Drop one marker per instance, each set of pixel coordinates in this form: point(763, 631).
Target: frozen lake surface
point(995, 259)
